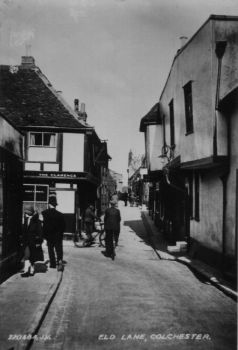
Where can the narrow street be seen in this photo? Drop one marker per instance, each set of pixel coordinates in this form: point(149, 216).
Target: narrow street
point(135, 302)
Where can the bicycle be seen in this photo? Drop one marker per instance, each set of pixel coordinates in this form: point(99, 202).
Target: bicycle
point(100, 233)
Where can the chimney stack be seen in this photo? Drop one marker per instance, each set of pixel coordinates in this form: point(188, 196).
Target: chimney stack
point(76, 105)
point(27, 62)
point(183, 41)
point(82, 115)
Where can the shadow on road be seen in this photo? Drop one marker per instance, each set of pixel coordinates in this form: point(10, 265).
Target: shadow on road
point(157, 243)
point(135, 226)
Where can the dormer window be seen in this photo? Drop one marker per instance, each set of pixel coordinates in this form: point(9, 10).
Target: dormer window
point(42, 139)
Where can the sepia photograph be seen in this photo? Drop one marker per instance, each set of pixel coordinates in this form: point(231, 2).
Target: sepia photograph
point(118, 174)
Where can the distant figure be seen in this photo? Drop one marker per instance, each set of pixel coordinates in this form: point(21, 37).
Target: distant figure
point(125, 198)
point(112, 221)
point(89, 219)
point(32, 240)
point(114, 198)
point(53, 229)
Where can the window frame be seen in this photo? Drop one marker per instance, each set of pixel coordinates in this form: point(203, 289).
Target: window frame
point(35, 193)
point(42, 133)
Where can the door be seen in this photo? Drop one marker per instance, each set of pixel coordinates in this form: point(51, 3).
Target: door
point(66, 205)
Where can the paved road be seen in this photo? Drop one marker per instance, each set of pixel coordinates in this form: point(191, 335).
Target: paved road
point(135, 302)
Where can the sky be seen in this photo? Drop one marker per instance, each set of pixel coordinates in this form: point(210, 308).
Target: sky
point(113, 55)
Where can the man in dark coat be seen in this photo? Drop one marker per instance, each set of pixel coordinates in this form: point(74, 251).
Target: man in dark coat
point(32, 239)
point(53, 229)
point(112, 221)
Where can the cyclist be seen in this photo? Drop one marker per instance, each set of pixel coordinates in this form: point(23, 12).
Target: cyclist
point(89, 219)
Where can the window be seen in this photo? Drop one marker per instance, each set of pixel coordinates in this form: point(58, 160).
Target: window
point(188, 107)
point(190, 195)
point(171, 112)
point(196, 197)
point(40, 139)
point(193, 196)
point(35, 193)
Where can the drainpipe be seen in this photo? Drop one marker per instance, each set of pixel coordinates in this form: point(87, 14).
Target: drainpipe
point(220, 50)
point(224, 179)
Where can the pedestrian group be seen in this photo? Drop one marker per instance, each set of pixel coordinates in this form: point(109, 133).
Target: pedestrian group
point(50, 225)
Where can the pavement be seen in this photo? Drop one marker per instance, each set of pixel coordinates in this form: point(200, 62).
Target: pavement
point(209, 273)
point(24, 302)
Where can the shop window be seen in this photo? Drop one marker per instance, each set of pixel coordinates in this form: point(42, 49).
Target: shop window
point(188, 107)
point(42, 139)
point(35, 193)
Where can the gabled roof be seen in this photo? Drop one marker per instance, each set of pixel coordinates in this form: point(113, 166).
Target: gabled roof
point(153, 117)
point(102, 155)
point(28, 99)
point(178, 53)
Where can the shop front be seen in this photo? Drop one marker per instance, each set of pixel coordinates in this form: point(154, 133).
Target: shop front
point(73, 190)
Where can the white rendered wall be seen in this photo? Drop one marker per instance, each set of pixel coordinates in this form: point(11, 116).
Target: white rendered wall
point(73, 152)
point(42, 154)
point(154, 136)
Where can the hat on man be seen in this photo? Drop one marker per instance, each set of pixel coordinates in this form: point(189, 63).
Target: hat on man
point(53, 201)
point(113, 202)
point(29, 210)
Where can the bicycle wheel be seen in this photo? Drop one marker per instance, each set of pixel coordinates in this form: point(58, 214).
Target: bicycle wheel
point(102, 236)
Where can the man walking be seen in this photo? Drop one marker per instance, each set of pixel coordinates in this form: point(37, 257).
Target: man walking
point(112, 221)
point(53, 229)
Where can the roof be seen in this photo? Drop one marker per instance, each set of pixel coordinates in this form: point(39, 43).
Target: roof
point(153, 117)
point(28, 99)
point(102, 154)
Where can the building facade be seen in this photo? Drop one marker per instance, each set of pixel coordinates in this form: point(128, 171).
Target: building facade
point(11, 177)
point(118, 180)
point(63, 154)
point(197, 191)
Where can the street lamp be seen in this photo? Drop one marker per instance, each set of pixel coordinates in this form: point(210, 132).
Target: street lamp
point(167, 153)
